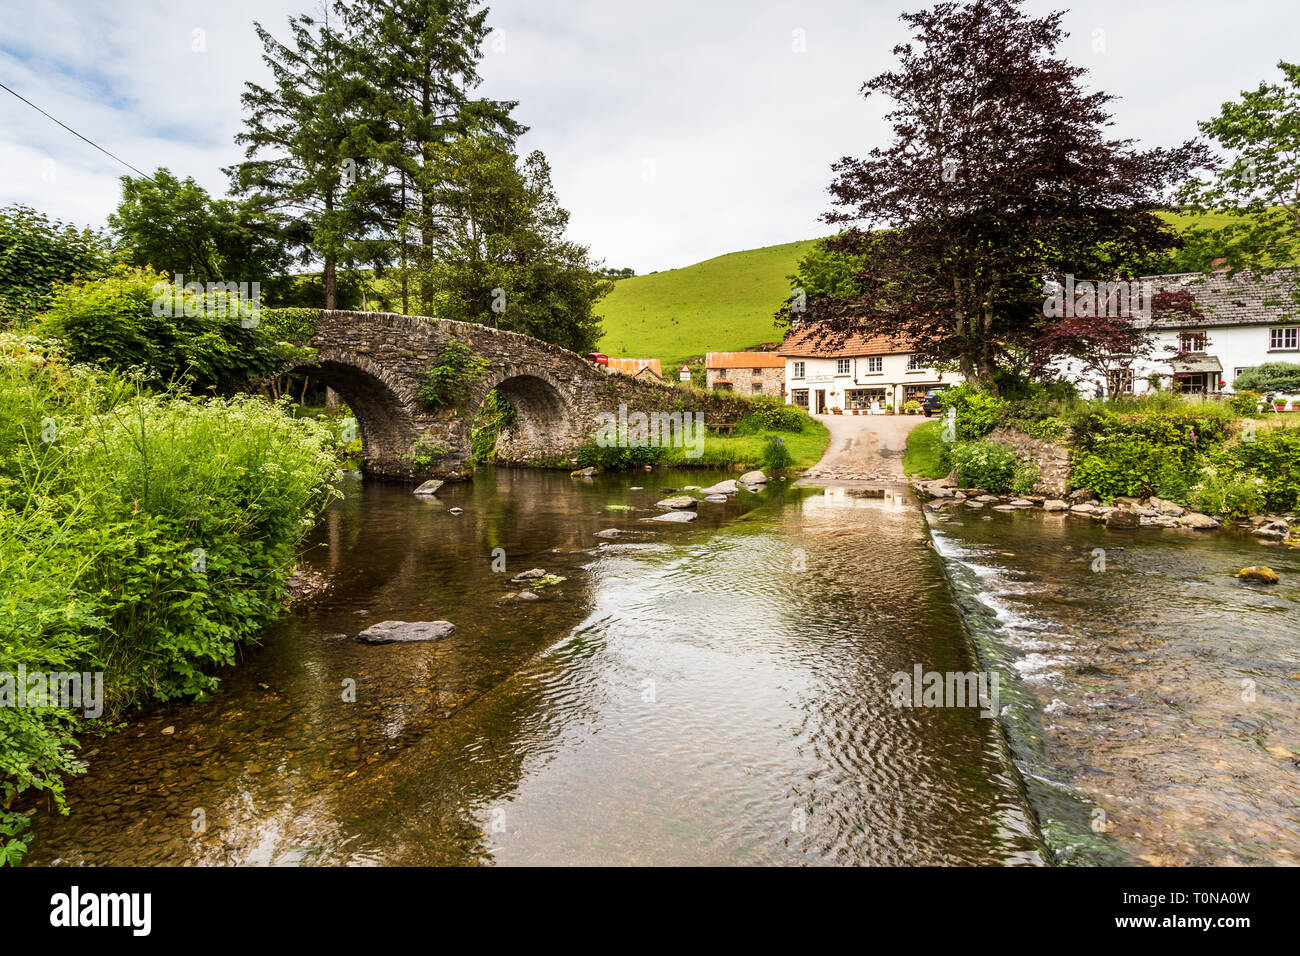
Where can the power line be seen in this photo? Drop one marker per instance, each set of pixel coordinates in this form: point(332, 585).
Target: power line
point(75, 133)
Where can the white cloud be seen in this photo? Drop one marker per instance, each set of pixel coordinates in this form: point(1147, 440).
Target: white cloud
point(741, 129)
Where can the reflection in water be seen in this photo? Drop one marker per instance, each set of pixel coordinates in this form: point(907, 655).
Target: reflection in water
point(1160, 695)
point(707, 693)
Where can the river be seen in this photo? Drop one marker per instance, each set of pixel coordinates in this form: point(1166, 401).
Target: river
point(714, 693)
point(708, 693)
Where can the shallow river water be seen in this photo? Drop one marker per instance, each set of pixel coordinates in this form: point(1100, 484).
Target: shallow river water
point(720, 692)
point(717, 692)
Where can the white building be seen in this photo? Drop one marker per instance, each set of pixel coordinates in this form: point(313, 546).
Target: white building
point(1246, 320)
point(864, 372)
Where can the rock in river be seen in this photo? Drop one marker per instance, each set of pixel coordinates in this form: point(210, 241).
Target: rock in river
point(753, 478)
point(1123, 518)
point(430, 487)
point(609, 533)
point(1257, 572)
point(727, 487)
point(403, 632)
point(677, 516)
point(530, 575)
point(681, 501)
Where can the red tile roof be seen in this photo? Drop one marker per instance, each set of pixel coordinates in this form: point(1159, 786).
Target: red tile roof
point(744, 360)
point(630, 366)
point(802, 342)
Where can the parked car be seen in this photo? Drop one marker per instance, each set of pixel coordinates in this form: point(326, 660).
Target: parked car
point(931, 403)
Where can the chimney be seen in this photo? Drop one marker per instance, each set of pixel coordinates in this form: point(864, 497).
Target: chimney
point(1219, 264)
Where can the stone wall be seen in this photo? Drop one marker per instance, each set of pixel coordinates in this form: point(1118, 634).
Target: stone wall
point(376, 361)
point(1053, 460)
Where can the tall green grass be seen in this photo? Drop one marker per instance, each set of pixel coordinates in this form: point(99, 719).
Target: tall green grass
point(142, 536)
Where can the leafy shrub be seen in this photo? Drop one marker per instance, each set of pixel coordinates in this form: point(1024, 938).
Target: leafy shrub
point(451, 376)
point(617, 457)
point(978, 412)
point(1121, 465)
point(1281, 377)
point(134, 320)
point(37, 254)
point(776, 457)
point(141, 536)
point(1246, 402)
point(1274, 456)
point(494, 416)
point(984, 464)
point(912, 406)
point(1226, 494)
point(1025, 479)
point(772, 414)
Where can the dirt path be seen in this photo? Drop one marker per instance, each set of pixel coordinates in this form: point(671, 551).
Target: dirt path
point(864, 447)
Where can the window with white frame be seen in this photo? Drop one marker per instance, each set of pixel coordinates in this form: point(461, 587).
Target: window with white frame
point(841, 366)
point(796, 369)
point(914, 364)
point(1192, 341)
point(1282, 338)
point(875, 364)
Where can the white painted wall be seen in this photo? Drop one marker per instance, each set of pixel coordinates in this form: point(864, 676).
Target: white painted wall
point(823, 373)
point(1236, 348)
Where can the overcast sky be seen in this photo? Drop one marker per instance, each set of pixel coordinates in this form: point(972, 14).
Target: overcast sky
point(677, 130)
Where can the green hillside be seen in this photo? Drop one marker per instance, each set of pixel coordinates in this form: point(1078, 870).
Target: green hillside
point(723, 304)
point(719, 305)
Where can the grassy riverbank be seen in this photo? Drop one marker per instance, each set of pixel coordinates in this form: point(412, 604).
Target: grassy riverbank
point(1218, 458)
point(760, 439)
point(143, 537)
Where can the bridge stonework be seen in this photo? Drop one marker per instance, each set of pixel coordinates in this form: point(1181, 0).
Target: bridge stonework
point(376, 361)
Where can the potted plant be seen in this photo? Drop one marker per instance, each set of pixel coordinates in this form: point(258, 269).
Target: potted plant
point(912, 407)
point(837, 410)
point(1279, 404)
point(889, 409)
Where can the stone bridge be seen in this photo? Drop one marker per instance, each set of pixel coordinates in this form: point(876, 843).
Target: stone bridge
point(376, 361)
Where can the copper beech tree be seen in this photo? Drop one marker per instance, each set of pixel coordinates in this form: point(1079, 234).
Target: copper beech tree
point(1000, 176)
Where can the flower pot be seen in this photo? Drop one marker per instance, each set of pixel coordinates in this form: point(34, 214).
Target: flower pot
point(1279, 406)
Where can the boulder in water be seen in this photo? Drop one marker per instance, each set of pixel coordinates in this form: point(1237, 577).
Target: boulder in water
point(678, 503)
point(403, 632)
point(430, 487)
point(1257, 572)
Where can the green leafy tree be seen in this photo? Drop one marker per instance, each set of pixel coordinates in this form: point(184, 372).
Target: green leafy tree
point(174, 225)
point(1257, 180)
point(501, 256)
point(36, 254)
point(417, 61)
point(307, 138)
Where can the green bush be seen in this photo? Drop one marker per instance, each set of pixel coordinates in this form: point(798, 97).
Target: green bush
point(1246, 402)
point(449, 380)
point(1121, 465)
point(1283, 377)
point(141, 536)
point(617, 457)
point(984, 464)
point(776, 457)
point(772, 414)
point(1274, 456)
point(36, 255)
point(133, 320)
point(978, 412)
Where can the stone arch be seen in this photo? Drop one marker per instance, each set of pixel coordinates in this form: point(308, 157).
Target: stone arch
point(544, 425)
point(382, 406)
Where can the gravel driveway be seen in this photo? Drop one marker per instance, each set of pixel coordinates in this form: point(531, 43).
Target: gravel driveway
point(864, 447)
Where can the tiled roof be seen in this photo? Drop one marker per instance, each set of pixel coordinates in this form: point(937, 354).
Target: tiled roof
point(744, 360)
point(803, 343)
point(1242, 299)
point(630, 366)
